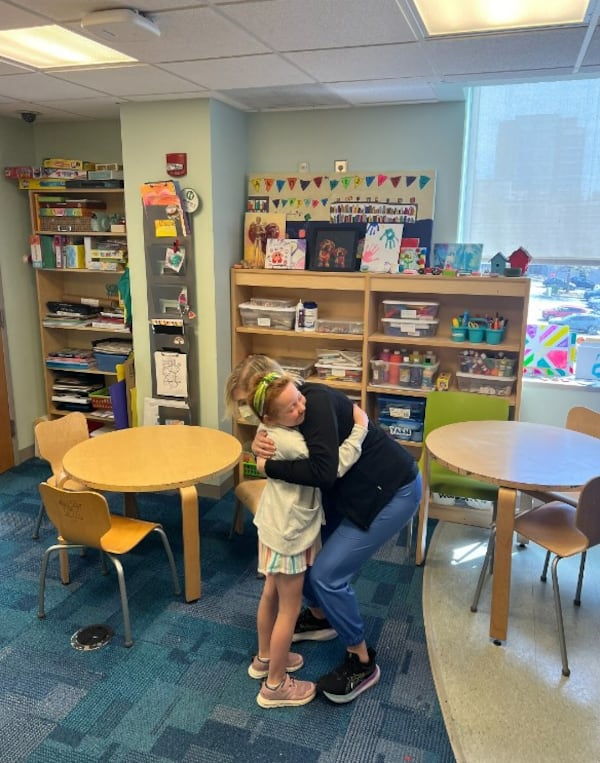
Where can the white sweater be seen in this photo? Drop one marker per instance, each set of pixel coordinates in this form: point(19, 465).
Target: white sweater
point(289, 516)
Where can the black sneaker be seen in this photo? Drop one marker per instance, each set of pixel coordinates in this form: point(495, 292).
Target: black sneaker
point(350, 679)
point(311, 628)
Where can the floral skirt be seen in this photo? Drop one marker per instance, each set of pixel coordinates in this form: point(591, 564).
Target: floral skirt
point(272, 562)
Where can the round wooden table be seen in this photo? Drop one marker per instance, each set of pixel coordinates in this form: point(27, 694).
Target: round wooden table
point(155, 458)
point(515, 455)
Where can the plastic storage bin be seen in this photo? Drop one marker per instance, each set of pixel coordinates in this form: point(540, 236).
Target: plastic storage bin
point(298, 366)
point(486, 363)
point(396, 309)
point(263, 316)
point(326, 326)
point(410, 375)
point(417, 327)
point(402, 430)
point(485, 384)
point(330, 372)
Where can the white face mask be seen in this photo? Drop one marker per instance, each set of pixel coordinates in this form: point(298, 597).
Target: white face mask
point(245, 412)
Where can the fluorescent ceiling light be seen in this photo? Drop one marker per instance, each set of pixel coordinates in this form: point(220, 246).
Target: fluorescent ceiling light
point(489, 15)
point(48, 47)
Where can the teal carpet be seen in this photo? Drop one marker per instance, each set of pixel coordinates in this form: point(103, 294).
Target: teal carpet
point(181, 693)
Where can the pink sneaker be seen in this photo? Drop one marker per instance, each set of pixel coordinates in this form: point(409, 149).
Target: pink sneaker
point(260, 668)
point(289, 693)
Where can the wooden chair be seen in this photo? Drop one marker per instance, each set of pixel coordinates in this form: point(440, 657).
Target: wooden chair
point(83, 520)
point(54, 438)
point(564, 530)
point(247, 493)
point(579, 419)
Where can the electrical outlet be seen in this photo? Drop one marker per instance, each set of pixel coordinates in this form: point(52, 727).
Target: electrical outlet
point(340, 165)
point(303, 167)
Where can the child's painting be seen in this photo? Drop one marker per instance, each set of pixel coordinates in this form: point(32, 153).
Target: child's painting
point(465, 258)
point(286, 254)
point(381, 248)
point(259, 227)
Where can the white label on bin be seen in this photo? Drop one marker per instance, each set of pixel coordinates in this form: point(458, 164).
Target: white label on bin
point(340, 372)
point(408, 313)
point(400, 413)
point(264, 322)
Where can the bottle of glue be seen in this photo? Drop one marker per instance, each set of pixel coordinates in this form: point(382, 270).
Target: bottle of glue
point(299, 316)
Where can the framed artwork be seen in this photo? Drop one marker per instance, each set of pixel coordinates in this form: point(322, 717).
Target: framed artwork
point(286, 253)
point(382, 248)
point(463, 257)
point(258, 228)
point(333, 247)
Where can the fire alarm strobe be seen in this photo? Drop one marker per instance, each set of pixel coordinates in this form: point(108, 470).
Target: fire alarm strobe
point(119, 24)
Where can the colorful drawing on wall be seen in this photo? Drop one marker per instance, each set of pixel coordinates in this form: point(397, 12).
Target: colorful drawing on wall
point(257, 229)
point(381, 248)
point(403, 197)
point(286, 253)
point(549, 350)
point(463, 257)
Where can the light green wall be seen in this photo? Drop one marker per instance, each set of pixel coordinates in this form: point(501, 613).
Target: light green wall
point(419, 137)
point(97, 141)
point(22, 343)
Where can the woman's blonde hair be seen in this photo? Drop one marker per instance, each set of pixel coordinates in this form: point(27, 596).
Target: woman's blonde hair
point(241, 374)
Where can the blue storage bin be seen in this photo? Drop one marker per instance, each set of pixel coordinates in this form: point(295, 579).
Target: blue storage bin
point(107, 361)
point(401, 407)
point(402, 430)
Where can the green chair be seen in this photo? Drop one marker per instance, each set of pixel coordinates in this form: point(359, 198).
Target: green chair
point(449, 408)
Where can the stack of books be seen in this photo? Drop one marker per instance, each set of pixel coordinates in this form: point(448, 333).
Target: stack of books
point(71, 359)
point(71, 392)
point(112, 320)
point(69, 315)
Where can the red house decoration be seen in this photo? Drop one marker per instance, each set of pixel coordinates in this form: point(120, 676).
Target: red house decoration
point(520, 258)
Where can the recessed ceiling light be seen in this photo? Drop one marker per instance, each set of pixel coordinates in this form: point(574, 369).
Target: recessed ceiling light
point(48, 47)
point(490, 15)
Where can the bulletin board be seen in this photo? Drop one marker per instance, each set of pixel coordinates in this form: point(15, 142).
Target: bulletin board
point(400, 196)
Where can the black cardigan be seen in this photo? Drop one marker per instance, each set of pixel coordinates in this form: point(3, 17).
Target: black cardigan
point(383, 467)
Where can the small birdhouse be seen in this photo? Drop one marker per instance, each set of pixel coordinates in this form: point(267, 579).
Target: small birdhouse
point(498, 263)
point(520, 258)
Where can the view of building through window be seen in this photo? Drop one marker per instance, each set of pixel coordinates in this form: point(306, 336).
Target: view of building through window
point(532, 180)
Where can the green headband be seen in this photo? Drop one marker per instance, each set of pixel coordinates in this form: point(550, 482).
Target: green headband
point(261, 391)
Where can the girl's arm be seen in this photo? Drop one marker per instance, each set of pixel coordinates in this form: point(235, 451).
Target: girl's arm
point(351, 448)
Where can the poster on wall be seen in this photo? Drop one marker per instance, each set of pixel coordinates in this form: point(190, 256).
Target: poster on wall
point(400, 197)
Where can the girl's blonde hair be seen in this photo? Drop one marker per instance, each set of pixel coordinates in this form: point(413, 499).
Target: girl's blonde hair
point(237, 381)
point(264, 390)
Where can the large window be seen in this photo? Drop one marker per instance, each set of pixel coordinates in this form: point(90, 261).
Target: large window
point(532, 179)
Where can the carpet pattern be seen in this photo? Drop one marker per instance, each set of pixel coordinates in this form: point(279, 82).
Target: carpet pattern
point(181, 693)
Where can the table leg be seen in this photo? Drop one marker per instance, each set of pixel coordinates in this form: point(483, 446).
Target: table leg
point(130, 508)
point(423, 512)
point(505, 525)
point(191, 542)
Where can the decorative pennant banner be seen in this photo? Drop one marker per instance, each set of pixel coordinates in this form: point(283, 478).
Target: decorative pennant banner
point(280, 184)
point(292, 183)
point(357, 181)
point(318, 180)
point(304, 184)
point(269, 183)
point(410, 179)
point(275, 202)
point(333, 184)
point(369, 179)
point(395, 180)
point(255, 184)
point(381, 179)
point(423, 180)
point(346, 182)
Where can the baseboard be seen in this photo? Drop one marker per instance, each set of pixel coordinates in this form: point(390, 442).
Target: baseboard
point(461, 515)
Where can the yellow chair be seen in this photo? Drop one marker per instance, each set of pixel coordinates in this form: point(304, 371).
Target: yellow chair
point(247, 493)
point(564, 530)
point(83, 520)
point(54, 438)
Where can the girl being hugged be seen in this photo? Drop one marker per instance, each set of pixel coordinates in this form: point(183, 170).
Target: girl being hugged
point(288, 519)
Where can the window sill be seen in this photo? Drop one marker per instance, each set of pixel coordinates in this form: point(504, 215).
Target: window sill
point(561, 381)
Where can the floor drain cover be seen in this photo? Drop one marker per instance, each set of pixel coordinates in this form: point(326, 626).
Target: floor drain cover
point(92, 637)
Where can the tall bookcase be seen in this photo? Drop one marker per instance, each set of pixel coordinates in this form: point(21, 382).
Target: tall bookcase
point(359, 297)
point(75, 284)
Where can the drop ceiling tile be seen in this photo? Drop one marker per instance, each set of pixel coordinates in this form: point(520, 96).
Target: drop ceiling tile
point(39, 87)
point(12, 17)
point(75, 10)
point(285, 98)
point(126, 80)
point(311, 24)
point(225, 73)
point(353, 64)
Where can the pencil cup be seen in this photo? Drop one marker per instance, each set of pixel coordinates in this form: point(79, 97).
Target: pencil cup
point(459, 334)
point(476, 335)
point(494, 336)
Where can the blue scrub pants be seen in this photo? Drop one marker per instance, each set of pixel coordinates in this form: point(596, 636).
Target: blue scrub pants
point(345, 549)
